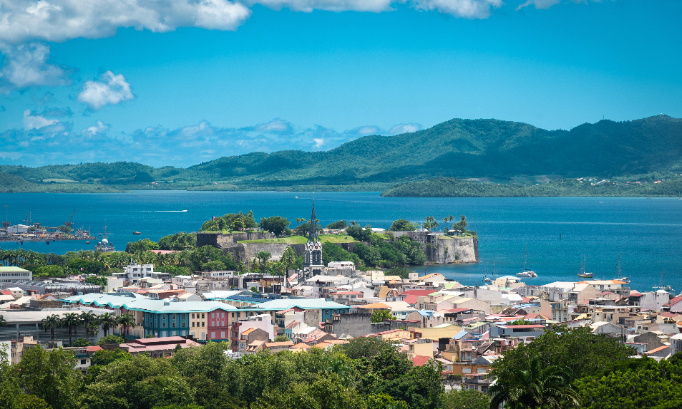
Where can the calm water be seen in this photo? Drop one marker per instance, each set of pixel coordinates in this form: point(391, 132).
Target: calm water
point(558, 231)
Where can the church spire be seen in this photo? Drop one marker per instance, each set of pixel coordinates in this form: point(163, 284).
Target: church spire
point(312, 236)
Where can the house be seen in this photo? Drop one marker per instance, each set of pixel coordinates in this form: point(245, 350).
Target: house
point(275, 347)
point(251, 340)
point(523, 332)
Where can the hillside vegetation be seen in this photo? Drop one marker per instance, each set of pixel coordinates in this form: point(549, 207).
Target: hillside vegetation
point(493, 150)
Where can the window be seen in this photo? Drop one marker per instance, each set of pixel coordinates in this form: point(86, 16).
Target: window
point(173, 326)
point(84, 361)
point(222, 335)
point(173, 316)
point(202, 315)
point(163, 325)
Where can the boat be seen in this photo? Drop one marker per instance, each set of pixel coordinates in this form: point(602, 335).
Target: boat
point(662, 285)
point(526, 273)
point(620, 277)
point(583, 273)
point(137, 233)
point(104, 246)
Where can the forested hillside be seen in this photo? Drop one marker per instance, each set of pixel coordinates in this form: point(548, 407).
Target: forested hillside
point(500, 151)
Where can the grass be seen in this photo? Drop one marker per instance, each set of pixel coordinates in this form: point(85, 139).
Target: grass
point(325, 238)
point(336, 238)
point(281, 240)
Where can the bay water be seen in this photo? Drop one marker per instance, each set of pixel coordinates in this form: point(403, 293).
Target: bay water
point(557, 232)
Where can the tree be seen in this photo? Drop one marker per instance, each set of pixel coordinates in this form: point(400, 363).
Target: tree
point(81, 342)
point(431, 224)
point(402, 225)
point(107, 321)
point(3, 323)
point(536, 387)
point(275, 224)
point(138, 383)
point(125, 321)
point(50, 376)
point(382, 315)
point(141, 245)
point(110, 339)
point(107, 356)
point(263, 257)
point(178, 241)
point(579, 350)
point(642, 383)
point(288, 258)
point(51, 323)
point(71, 321)
point(95, 280)
point(281, 338)
point(341, 224)
point(471, 399)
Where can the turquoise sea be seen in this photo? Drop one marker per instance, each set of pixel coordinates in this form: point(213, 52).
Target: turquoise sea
point(558, 232)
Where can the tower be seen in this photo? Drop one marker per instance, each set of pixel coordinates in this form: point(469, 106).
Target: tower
point(313, 265)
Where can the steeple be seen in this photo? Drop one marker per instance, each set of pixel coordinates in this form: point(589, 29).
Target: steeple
point(312, 235)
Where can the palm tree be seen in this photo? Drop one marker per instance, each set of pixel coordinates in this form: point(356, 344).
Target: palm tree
point(125, 321)
point(536, 387)
point(88, 318)
point(71, 321)
point(51, 322)
point(108, 321)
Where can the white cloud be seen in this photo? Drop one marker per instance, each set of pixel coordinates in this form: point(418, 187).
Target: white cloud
point(97, 129)
point(276, 125)
point(61, 20)
point(26, 65)
point(459, 8)
point(36, 121)
point(113, 89)
point(318, 142)
point(539, 4)
point(404, 128)
point(329, 5)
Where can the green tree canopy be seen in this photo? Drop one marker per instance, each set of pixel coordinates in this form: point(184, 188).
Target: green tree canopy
point(402, 225)
point(275, 225)
point(141, 245)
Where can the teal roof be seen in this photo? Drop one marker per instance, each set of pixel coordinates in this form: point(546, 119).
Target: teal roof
point(141, 303)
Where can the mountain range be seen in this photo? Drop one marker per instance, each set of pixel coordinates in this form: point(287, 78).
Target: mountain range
point(484, 149)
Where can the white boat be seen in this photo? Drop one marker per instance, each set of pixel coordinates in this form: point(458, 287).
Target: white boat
point(526, 273)
point(583, 273)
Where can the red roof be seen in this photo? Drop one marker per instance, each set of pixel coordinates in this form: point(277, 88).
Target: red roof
point(420, 360)
point(93, 348)
point(523, 326)
point(6, 292)
point(455, 310)
point(346, 292)
point(411, 299)
point(673, 301)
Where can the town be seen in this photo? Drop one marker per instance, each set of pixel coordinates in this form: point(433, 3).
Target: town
point(433, 321)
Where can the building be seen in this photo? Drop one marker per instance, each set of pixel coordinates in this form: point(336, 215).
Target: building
point(313, 264)
point(157, 347)
point(12, 274)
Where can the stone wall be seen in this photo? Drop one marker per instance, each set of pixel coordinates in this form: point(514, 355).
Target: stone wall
point(440, 249)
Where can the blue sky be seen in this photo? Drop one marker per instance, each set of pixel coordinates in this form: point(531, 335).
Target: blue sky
point(183, 82)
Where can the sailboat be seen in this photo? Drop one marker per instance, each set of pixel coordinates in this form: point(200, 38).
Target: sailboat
point(486, 279)
point(620, 276)
point(526, 273)
point(583, 273)
point(662, 285)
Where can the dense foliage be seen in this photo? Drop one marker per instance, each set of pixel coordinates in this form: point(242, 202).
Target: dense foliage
point(231, 221)
point(449, 187)
point(365, 374)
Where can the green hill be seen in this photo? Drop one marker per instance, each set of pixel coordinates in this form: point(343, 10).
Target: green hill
point(488, 149)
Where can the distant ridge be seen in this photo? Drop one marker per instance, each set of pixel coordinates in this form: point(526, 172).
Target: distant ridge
point(459, 148)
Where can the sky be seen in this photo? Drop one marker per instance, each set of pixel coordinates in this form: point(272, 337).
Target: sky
point(181, 82)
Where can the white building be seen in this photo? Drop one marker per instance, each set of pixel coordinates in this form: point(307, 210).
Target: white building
point(9, 274)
